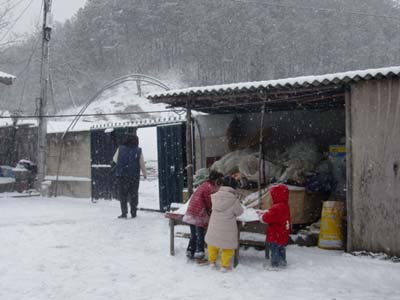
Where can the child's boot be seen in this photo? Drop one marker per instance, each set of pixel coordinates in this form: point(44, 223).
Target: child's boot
point(226, 269)
point(202, 261)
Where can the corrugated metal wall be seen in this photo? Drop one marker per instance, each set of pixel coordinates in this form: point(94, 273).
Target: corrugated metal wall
point(374, 203)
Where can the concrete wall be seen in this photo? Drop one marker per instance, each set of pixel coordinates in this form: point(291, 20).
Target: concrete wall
point(374, 191)
point(75, 155)
point(71, 188)
point(281, 129)
point(75, 163)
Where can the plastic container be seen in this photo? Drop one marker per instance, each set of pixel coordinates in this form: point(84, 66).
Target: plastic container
point(330, 235)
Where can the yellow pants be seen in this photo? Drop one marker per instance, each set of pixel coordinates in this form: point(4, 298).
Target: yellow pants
point(226, 255)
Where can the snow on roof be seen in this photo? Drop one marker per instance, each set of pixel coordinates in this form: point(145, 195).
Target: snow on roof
point(6, 120)
point(6, 78)
point(302, 81)
point(142, 123)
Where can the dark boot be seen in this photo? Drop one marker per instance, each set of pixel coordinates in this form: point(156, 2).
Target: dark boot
point(122, 216)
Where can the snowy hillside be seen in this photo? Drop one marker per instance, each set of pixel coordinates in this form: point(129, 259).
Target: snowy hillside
point(122, 99)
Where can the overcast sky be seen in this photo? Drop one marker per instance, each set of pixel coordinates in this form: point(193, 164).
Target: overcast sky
point(61, 9)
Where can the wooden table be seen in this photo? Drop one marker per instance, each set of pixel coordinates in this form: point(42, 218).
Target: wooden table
point(253, 226)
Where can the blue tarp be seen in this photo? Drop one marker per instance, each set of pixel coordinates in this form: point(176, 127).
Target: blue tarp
point(6, 171)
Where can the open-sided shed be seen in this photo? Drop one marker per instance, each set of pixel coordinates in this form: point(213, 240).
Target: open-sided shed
point(370, 100)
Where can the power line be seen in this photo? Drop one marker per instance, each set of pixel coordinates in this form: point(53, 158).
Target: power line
point(11, 7)
point(34, 48)
point(332, 10)
point(25, 70)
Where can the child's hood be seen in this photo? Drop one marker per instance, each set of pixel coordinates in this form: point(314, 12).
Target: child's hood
point(279, 194)
point(223, 199)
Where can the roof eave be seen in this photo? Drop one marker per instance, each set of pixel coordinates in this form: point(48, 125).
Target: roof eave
point(6, 79)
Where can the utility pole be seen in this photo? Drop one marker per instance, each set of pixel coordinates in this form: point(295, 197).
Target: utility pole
point(44, 80)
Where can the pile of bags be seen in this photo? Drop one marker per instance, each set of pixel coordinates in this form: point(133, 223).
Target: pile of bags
point(300, 165)
point(290, 166)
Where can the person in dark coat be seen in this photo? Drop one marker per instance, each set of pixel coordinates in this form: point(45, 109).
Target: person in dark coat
point(277, 219)
point(129, 162)
point(198, 214)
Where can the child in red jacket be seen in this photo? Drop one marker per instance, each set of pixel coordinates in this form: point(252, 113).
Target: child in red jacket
point(278, 220)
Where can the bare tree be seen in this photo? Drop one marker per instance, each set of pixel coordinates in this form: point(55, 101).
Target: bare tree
point(10, 13)
point(5, 12)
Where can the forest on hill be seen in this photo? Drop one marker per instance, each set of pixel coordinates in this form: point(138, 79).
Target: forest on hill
point(200, 42)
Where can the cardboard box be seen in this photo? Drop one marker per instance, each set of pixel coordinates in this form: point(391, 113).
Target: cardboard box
point(305, 207)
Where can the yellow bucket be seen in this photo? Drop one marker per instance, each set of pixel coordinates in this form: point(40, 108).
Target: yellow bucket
point(330, 234)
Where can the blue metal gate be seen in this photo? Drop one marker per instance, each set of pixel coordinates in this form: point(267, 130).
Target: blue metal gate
point(103, 146)
point(171, 146)
point(171, 141)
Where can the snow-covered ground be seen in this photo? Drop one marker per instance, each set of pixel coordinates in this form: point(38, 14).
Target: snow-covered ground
point(63, 248)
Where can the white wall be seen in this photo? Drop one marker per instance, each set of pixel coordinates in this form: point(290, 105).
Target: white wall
point(148, 142)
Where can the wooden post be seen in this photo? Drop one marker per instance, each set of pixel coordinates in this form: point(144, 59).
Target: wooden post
point(12, 147)
point(189, 151)
point(172, 236)
point(349, 171)
point(139, 88)
point(261, 152)
point(237, 250)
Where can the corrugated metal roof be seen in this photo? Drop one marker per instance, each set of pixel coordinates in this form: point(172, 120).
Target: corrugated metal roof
point(6, 78)
point(295, 82)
